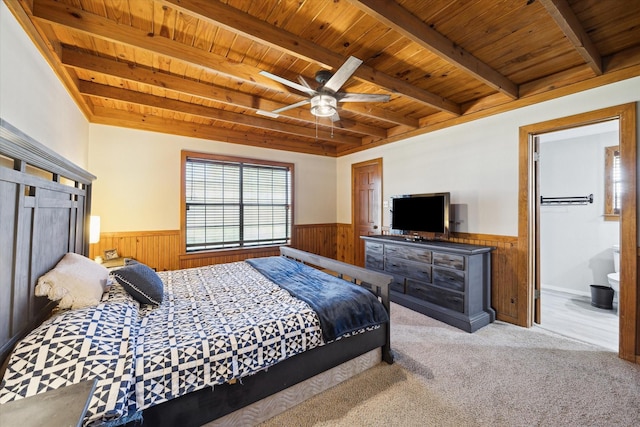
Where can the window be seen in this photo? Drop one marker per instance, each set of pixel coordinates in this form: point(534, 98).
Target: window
point(235, 203)
point(612, 183)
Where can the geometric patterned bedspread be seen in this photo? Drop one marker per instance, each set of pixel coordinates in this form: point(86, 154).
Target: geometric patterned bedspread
point(90, 343)
point(216, 323)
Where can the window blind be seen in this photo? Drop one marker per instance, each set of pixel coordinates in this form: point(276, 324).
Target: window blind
point(236, 204)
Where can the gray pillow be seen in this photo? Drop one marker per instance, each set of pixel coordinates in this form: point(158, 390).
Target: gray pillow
point(141, 282)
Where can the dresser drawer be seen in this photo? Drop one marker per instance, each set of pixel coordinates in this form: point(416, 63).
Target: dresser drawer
point(436, 296)
point(372, 247)
point(373, 257)
point(373, 261)
point(404, 267)
point(405, 252)
point(452, 279)
point(448, 260)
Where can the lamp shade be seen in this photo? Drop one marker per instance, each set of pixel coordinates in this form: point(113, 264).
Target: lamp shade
point(94, 229)
point(323, 105)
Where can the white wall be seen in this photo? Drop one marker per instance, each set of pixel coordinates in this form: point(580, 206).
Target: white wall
point(138, 185)
point(32, 98)
point(477, 162)
point(575, 240)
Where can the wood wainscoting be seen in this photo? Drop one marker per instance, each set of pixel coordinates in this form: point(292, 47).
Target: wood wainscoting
point(162, 250)
point(319, 239)
point(157, 249)
point(344, 245)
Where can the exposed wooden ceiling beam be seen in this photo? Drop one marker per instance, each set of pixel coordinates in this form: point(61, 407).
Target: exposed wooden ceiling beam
point(109, 67)
point(113, 117)
point(373, 112)
point(562, 13)
point(106, 29)
point(263, 33)
point(402, 21)
point(148, 100)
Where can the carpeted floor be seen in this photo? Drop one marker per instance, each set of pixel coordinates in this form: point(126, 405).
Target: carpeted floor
point(501, 375)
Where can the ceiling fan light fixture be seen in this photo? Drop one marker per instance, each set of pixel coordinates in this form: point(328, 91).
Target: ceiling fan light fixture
point(323, 105)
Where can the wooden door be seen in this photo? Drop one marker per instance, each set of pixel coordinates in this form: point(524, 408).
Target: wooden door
point(366, 202)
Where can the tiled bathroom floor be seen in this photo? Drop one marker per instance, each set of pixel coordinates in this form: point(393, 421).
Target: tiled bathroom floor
point(575, 317)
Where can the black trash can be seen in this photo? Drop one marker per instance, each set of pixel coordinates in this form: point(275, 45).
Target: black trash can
point(602, 296)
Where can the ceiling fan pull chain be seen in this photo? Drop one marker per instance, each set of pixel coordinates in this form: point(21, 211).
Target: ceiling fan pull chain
point(331, 128)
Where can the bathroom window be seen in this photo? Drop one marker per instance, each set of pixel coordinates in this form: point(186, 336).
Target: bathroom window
point(613, 183)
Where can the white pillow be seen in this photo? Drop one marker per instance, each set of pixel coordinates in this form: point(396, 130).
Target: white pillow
point(76, 281)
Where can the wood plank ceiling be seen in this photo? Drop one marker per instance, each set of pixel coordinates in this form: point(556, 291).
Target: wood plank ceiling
point(192, 67)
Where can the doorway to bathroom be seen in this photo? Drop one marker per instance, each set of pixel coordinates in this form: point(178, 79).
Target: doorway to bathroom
point(578, 180)
point(528, 213)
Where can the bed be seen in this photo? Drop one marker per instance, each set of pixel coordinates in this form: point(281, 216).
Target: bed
point(175, 362)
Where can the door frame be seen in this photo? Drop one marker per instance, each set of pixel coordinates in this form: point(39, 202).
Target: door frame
point(527, 207)
point(354, 201)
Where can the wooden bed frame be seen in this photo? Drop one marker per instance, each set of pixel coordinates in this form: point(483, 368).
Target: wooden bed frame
point(45, 205)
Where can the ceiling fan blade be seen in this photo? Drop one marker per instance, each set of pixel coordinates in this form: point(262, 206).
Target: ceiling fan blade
point(304, 82)
point(362, 97)
point(289, 83)
point(290, 107)
point(343, 74)
point(335, 117)
point(267, 114)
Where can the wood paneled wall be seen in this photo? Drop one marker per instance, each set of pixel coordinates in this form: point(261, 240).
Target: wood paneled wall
point(162, 251)
point(346, 253)
point(220, 257)
point(320, 239)
point(157, 249)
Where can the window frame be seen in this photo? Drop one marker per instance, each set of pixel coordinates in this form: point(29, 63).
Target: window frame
point(610, 153)
point(185, 155)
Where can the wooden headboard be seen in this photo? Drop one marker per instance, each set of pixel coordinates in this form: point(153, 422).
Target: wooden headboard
point(45, 201)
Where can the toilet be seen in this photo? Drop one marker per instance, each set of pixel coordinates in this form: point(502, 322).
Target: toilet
point(614, 278)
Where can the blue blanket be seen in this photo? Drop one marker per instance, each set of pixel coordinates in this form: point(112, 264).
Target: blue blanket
point(342, 306)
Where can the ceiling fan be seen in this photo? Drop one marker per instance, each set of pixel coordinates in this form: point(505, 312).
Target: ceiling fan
point(324, 100)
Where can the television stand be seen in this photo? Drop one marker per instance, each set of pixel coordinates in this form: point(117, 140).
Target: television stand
point(450, 282)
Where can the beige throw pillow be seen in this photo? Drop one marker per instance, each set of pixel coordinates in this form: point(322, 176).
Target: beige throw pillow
point(76, 281)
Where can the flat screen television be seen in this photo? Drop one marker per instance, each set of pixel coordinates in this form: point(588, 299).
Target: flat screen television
point(421, 213)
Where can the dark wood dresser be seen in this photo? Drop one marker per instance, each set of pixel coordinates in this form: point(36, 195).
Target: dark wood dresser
point(448, 281)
